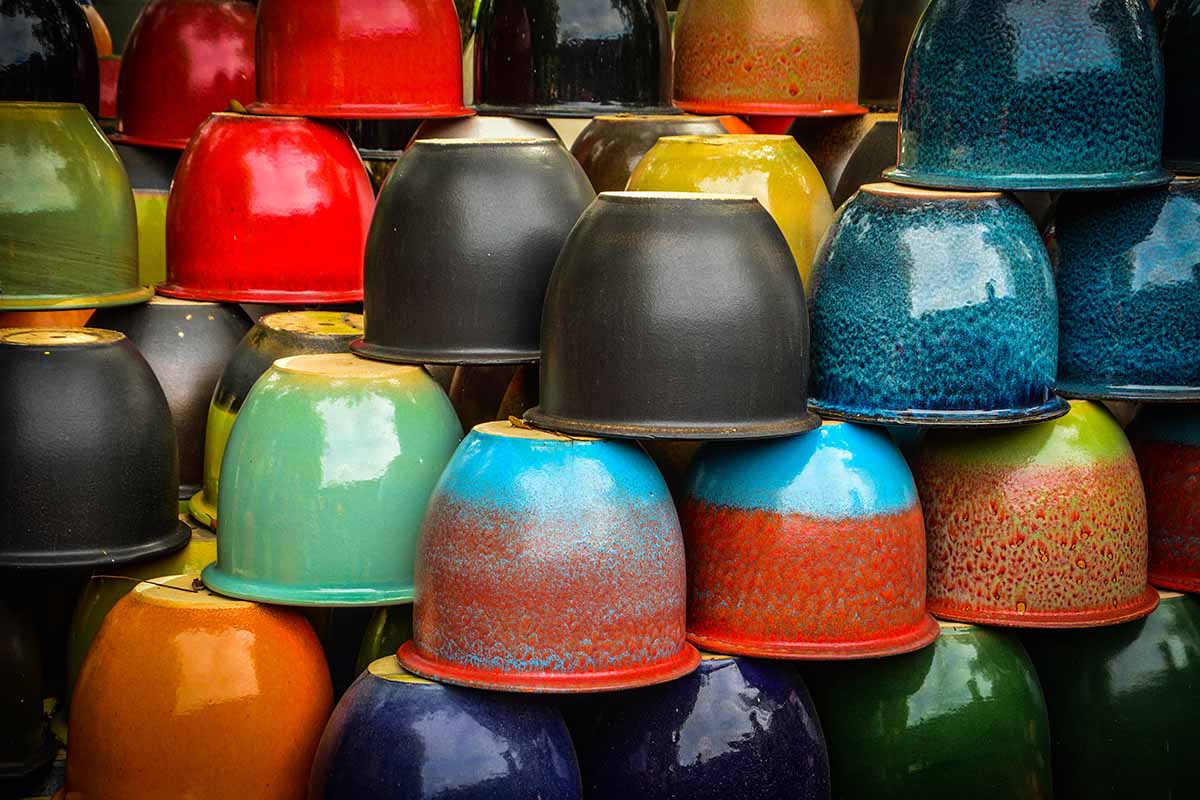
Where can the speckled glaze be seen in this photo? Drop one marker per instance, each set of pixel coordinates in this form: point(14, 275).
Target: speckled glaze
point(325, 479)
point(1128, 278)
point(1060, 96)
point(1038, 526)
point(150, 172)
point(1179, 30)
point(1124, 716)
point(776, 528)
point(397, 735)
point(49, 53)
point(735, 728)
point(528, 534)
point(933, 308)
point(772, 168)
point(963, 718)
point(194, 695)
point(767, 57)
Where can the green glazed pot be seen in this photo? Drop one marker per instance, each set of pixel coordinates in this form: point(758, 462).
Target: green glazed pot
point(325, 480)
point(964, 717)
point(1124, 704)
point(68, 237)
point(390, 627)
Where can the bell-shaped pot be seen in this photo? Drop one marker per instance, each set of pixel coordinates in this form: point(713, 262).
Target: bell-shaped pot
point(25, 741)
point(549, 564)
point(461, 248)
point(885, 28)
point(150, 173)
point(676, 316)
point(850, 152)
point(49, 54)
point(90, 472)
point(1179, 31)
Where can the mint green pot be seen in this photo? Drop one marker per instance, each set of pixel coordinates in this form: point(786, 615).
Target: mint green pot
point(325, 480)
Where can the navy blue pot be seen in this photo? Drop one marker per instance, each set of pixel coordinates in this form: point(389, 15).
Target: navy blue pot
point(735, 728)
point(1129, 294)
point(1008, 94)
point(396, 735)
point(1179, 27)
point(933, 308)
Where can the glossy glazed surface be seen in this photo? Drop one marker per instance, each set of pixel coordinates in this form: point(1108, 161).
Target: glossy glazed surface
point(933, 308)
point(49, 54)
point(230, 700)
point(1038, 526)
point(388, 628)
point(849, 151)
point(150, 172)
point(25, 743)
point(1129, 293)
point(1179, 31)
point(394, 734)
point(110, 74)
point(268, 210)
point(481, 127)
point(578, 529)
point(885, 28)
point(964, 717)
point(1062, 96)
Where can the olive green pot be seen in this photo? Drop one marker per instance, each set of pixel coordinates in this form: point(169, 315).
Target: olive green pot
point(390, 627)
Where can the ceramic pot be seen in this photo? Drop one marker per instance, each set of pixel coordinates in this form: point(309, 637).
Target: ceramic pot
point(50, 54)
point(772, 168)
point(186, 694)
point(268, 210)
point(472, 292)
point(965, 716)
point(1129, 294)
point(481, 127)
point(850, 152)
point(90, 470)
point(543, 58)
point(388, 628)
point(1042, 526)
point(611, 146)
point(185, 59)
point(362, 59)
point(1121, 703)
point(767, 58)
point(150, 173)
point(273, 336)
point(1179, 32)
point(25, 742)
point(885, 28)
point(934, 308)
point(187, 345)
point(1166, 441)
point(1087, 116)
point(527, 534)
point(487, 745)
point(110, 74)
point(68, 239)
point(775, 528)
point(734, 728)
point(663, 310)
point(119, 15)
point(100, 34)
point(338, 455)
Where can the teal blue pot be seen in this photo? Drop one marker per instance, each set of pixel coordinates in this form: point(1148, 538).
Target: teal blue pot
point(325, 480)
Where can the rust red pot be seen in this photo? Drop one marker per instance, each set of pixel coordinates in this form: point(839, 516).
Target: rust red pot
point(110, 71)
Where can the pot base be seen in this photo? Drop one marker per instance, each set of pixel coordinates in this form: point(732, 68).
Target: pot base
point(572, 110)
point(685, 662)
point(396, 355)
point(1033, 183)
point(202, 511)
point(915, 638)
point(717, 107)
point(1178, 583)
point(653, 430)
point(1054, 409)
point(129, 297)
point(228, 585)
point(1142, 606)
point(361, 110)
point(1158, 394)
point(141, 141)
point(259, 295)
point(177, 539)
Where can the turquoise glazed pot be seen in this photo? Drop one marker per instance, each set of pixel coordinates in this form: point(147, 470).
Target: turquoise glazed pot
point(1179, 27)
point(963, 718)
point(1129, 293)
point(933, 308)
point(325, 479)
point(1011, 94)
point(1123, 705)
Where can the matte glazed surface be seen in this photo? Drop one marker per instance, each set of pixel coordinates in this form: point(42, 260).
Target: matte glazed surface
point(396, 735)
point(49, 54)
point(933, 307)
point(1129, 293)
point(1060, 96)
point(527, 535)
point(1038, 526)
point(775, 529)
point(25, 742)
point(885, 28)
point(1179, 30)
point(849, 151)
point(963, 718)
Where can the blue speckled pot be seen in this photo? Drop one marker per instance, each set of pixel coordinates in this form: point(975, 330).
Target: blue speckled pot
point(933, 308)
point(737, 728)
point(394, 735)
point(1013, 94)
point(1179, 27)
point(1129, 294)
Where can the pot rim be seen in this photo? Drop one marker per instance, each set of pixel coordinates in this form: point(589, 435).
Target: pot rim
point(273, 296)
point(1174, 582)
point(222, 582)
point(1141, 606)
point(1007, 417)
point(202, 511)
point(42, 755)
point(267, 108)
point(1158, 394)
point(1018, 182)
point(122, 297)
point(914, 638)
point(399, 355)
point(673, 430)
point(162, 545)
point(148, 141)
point(771, 108)
point(574, 110)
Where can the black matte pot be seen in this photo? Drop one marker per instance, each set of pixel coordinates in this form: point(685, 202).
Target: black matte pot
point(1179, 28)
point(47, 53)
point(885, 28)
point(611, 146)
point(25, 742)
point(481, 127)
point(89, 472)
point(675, 316)
point(572, 58)
point(464, 237)
point(187, 344)
point(849, 151)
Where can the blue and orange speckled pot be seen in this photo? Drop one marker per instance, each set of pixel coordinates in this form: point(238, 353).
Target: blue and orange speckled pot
point(933, 308)
point(394, 734)
point(1179, 29)
point(735, 728)
point(1129, 293)
point(1010, 94)
point(549, 563)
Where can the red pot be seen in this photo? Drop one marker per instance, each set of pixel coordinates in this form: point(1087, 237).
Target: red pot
point(367, 59)
point(268, 210)
point(110, 70)
point(184, 60)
